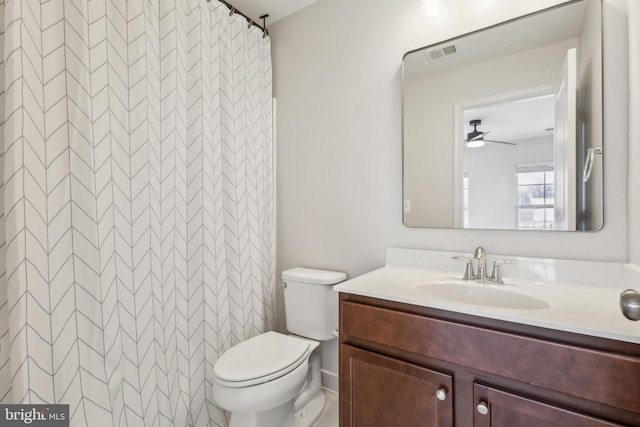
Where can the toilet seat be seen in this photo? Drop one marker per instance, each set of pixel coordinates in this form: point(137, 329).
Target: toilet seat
point(260, 359)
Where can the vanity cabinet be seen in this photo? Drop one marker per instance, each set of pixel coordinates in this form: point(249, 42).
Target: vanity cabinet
point(406, 365)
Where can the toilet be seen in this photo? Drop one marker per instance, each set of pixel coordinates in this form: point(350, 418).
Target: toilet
point(273, 379)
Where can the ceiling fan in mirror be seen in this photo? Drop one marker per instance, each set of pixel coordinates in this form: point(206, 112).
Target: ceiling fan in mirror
point(476, 138)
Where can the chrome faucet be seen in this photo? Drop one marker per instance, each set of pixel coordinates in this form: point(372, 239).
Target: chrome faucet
point(481, 275)
point(479, 254)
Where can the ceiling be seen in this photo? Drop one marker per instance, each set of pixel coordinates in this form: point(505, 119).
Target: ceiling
point(277, 9)
point(516, 120)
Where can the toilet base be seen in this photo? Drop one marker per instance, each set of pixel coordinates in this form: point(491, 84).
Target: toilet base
point(280, 416)
point(308, 405)
point(310, 413)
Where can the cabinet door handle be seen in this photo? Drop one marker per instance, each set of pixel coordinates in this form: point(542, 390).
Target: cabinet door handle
point(482, 408)
point(441, 393)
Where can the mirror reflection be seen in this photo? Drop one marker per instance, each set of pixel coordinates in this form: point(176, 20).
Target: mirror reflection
point(502, 128)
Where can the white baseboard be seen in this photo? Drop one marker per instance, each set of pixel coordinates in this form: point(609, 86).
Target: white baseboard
point(329, 381)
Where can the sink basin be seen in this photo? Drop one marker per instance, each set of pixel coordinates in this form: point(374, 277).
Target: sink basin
point(482, 295)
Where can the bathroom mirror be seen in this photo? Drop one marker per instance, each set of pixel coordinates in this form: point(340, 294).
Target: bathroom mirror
point(502, 127)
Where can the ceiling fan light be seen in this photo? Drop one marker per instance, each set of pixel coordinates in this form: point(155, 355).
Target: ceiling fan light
point(475, 143)
point(429, 8)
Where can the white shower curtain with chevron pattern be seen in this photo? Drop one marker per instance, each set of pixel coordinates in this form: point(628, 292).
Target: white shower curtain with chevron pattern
point(137, 227)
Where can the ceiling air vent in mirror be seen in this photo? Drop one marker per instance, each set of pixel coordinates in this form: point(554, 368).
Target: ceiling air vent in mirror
point(441, 52)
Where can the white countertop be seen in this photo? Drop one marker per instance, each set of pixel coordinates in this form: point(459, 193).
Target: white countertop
point(589, 310)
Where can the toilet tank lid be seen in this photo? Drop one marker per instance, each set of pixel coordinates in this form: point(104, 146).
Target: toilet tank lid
point(310, 275)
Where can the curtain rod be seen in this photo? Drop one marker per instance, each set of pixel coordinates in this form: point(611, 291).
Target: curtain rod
point(250, 21)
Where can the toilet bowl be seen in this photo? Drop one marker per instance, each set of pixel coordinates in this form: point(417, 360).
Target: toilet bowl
point(258, 379)
point(266, 380)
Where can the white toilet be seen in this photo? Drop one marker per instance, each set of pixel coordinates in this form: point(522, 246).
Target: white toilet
point(265, 380)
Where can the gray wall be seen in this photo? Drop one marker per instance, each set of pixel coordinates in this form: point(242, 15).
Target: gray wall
point(337, 82)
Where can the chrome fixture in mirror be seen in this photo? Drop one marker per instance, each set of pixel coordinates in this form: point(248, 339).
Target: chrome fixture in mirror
point(501, 126)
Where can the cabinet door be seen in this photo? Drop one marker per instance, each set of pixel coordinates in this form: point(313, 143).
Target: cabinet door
point(380, 391)
point(496, 408)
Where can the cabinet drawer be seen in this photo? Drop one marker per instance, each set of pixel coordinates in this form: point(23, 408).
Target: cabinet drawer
point(608, 378)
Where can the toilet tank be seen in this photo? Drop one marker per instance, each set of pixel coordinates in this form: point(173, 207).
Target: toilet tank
point(311, 306)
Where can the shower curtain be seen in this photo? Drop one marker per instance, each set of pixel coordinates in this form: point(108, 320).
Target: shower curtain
point(137, 227)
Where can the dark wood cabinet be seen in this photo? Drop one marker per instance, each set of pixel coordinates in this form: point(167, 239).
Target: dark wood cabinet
point(388, 392)
point(496, 408)
point(394, 359)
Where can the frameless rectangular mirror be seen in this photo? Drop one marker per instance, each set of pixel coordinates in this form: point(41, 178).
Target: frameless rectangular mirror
point(502, 127)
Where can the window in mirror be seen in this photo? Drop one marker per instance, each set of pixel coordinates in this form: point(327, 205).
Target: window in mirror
point(536, 194)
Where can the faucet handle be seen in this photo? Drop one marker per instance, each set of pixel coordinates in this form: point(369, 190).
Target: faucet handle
point(496, 275)
point(468, 271)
